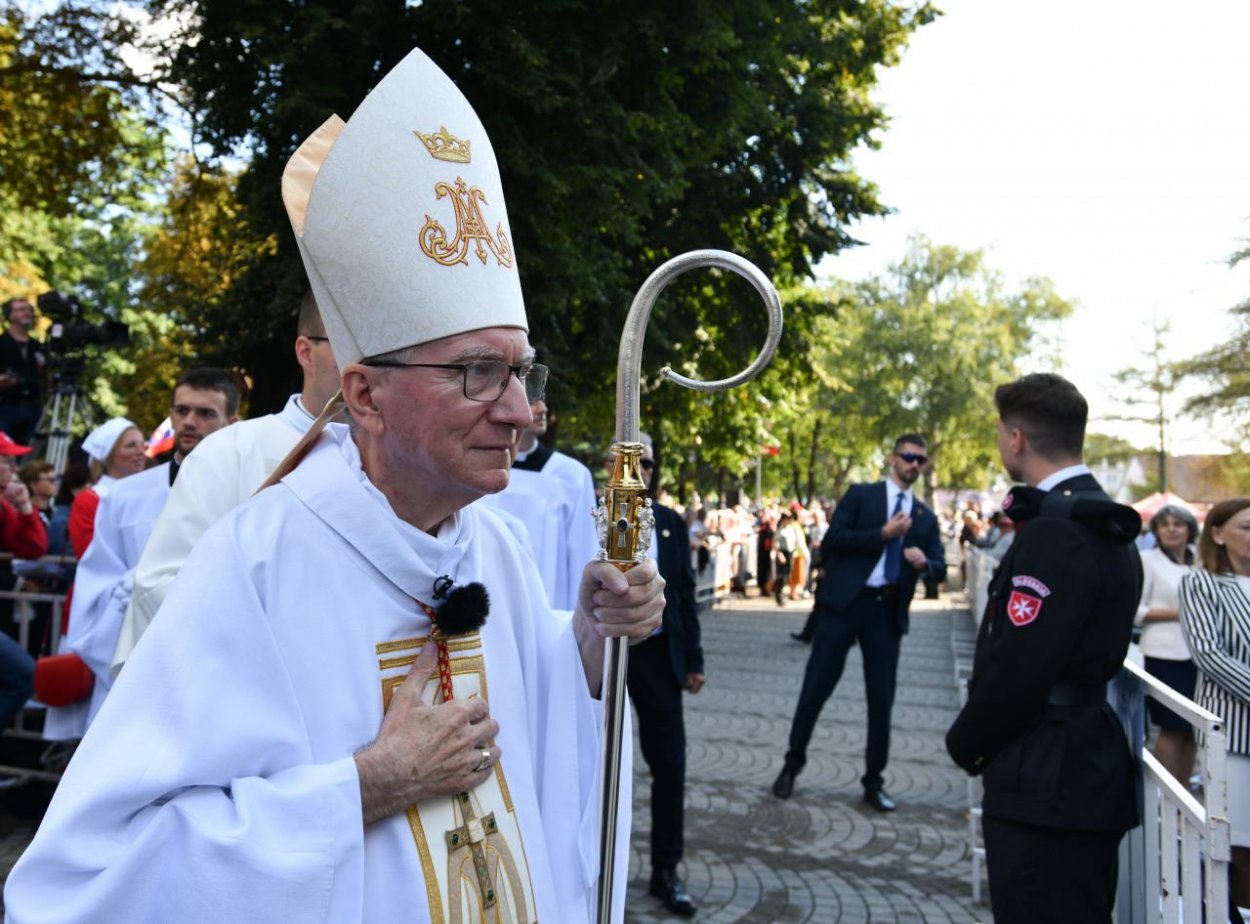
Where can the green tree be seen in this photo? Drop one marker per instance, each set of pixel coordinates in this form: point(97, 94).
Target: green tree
point(626, 132)
point(919, 348)
point(81, 157)
point(1224, 371)
point(1151, 387)
point(78, 127)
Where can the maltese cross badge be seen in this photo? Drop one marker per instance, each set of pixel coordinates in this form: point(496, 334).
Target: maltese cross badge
point(1022, 608)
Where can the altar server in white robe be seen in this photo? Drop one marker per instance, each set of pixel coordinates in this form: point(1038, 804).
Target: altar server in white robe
point(554, 496)
point(226, 470)
point(286, 742)
point(204, 401)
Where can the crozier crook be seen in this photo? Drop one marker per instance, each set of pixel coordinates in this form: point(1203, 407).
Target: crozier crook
point(624, 515)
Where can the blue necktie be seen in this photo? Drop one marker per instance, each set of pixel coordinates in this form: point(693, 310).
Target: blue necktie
point(894, 548)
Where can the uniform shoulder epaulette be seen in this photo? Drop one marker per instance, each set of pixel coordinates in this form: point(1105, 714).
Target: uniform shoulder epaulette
point(1110, 521)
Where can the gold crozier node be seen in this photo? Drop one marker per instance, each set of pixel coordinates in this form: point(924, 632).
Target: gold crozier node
point(470, 229)
point(472, 836)
point(624, 519)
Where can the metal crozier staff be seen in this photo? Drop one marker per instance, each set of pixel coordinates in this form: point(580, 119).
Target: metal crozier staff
point(624, 516)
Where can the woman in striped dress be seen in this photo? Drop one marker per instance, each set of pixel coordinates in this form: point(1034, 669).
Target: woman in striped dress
point(1215, 617)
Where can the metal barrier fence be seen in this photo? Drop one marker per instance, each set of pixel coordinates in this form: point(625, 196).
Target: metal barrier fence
point(1182, 848)
point(24, 617)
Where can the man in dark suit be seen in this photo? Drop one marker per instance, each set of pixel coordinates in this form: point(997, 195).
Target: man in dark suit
point(659, 669)
point(1059, 777)
point(881, 540)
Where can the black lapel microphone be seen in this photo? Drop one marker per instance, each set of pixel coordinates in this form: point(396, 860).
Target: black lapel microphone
point(464, 608)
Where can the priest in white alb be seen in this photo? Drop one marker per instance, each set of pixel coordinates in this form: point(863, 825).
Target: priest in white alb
point(554, 496)
point(225, 471)
point(204, 400)
point(319, 725)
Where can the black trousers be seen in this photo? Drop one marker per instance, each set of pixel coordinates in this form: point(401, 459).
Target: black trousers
point(662, 733)
point(1050, 875)
point(869, 621)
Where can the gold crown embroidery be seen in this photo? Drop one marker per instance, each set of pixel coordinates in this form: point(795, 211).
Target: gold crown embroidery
point(470, 229)
point(443, 145)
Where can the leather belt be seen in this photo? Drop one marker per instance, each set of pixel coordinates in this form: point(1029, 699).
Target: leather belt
point(884, 592)
point(1077, 694)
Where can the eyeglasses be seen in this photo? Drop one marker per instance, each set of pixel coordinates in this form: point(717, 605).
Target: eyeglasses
point(646, 464)
point(316, 339)
point(917, 457)
point(484, 379)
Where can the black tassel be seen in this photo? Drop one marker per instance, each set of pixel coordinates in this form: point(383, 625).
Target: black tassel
point(465, 608)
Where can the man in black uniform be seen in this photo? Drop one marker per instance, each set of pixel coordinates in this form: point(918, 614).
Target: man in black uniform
point(659, 669)
point(21, 372)
point(1058, 773)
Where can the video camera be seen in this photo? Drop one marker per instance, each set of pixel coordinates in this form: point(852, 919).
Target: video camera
point(70, 333)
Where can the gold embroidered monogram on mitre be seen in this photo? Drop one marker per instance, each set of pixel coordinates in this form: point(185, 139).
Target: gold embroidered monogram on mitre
point(470, 846)
point(470, 229)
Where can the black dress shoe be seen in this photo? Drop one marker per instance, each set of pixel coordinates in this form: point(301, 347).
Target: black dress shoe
point(800, 637)
point(784, 785)
point(667, 886)
point(880, 800)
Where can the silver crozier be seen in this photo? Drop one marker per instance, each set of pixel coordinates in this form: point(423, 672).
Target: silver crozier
point(624, 517)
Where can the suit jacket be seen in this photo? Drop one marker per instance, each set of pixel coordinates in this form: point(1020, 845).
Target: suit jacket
point(1215, 617)
point(681, 614)
point(1060, 614)
point(853, 544)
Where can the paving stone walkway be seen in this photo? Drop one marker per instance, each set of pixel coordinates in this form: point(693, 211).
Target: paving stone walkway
point(822, 856)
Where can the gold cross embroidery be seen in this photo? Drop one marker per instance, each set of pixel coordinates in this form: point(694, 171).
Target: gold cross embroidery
point(472, 836)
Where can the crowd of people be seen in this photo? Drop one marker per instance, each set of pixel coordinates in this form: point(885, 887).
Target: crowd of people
point(279, 638)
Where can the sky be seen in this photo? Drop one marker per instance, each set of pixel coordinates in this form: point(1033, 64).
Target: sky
point(1104, 144)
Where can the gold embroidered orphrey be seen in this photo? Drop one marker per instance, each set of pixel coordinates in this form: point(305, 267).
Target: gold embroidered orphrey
point(471, 228)
point(472, 855)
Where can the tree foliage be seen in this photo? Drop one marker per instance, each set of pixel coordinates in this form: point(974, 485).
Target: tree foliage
point(1224, 372)
point(76, 131)
point(626, 133)
point(920, 349)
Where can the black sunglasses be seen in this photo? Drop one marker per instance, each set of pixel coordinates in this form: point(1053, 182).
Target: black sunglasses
point(909, 457)
point(646, 464)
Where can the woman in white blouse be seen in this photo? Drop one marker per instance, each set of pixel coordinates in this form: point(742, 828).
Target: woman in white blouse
point(1167, 657)
point(1215, 617)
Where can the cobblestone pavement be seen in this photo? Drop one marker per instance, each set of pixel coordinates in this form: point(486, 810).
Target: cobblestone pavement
point(823, 856)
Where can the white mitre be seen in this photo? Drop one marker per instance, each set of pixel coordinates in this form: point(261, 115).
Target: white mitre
point(400, 218)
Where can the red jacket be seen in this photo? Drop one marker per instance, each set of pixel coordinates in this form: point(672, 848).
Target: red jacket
point(82, 521)
point(22, 534)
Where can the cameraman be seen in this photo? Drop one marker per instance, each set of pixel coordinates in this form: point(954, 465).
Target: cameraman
point(22, 365)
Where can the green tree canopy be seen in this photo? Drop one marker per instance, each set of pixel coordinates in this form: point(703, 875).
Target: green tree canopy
point(920, 349)
point(626, 133)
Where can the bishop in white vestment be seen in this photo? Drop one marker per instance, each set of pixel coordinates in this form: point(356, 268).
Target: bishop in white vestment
point(308, 731)
point(217, 783)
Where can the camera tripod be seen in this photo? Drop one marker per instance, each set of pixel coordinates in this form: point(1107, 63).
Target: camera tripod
point(58, 420)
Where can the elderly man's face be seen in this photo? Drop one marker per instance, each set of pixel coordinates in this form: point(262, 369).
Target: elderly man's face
point(454, 446)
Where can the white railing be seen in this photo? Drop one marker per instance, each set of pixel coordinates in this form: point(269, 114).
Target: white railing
point(1182, 846)
point(1184, 843)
